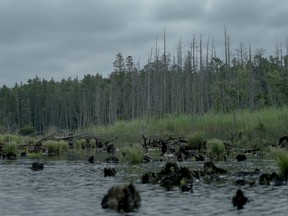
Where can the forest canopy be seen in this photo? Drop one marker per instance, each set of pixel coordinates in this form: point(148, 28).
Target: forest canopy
point(194, 81)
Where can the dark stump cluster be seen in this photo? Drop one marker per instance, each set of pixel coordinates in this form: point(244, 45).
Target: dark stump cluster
point(171, 176)
point(122, 198)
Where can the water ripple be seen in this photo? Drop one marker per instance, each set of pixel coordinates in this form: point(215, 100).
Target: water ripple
point(76, 188)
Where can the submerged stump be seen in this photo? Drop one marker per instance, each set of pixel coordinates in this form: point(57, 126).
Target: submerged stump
point(241, 157)
point(91, 159)
point(109, 172)
point(37, 166)
point(122, 198)
point(239, 200)
point(171, 176)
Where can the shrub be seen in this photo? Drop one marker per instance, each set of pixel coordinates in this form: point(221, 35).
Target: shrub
point(27, 130)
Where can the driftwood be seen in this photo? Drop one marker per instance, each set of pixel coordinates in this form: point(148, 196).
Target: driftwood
point(37, 146)
point(159, 142)
point(171, 146)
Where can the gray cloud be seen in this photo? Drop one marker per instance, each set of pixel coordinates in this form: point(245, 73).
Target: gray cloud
point(70, 38)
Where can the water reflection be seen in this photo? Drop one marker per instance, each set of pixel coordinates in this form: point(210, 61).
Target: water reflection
point(75, 187)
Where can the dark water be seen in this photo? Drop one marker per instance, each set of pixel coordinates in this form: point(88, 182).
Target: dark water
point(75, 187)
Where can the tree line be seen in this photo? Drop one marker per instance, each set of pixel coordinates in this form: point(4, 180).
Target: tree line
point(194, 81)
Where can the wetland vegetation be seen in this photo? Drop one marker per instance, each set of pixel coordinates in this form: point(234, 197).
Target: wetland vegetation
point(242, 130)
point(195, 124)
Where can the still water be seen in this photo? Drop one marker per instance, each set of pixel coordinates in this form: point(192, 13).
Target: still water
point(75, 187)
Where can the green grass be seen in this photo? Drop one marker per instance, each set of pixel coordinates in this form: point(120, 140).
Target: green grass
point(282, 161)
point(34, 155)
point(5, 138)
point(195, 140)
point(216, 148)
point(134, 154)
point(56, 147)
point(125, 131)
point(93, 143)
point(259, 127)
point(80, 144)
point(10, 148)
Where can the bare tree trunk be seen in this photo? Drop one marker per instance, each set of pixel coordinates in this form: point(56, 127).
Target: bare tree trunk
point(202, 78)
point(251, 82)
point(164, 69)
point(287, 46)
point(269, 90)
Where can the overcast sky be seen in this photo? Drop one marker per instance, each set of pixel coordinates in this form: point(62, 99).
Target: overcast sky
point(69, 38)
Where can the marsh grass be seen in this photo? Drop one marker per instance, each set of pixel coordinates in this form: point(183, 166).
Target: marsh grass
point(261, 128)
point(19, 141)
point(56, 147)
point(5, 138)
point(80, 144)
point(11, 148)
point(125, 131)
point(134, 154)
point(258, 127)
point(282, 162)
point(195, 140)
point(171, 125)
point(216, 148)
point(34, 155)
point(93, 143)
point(64, 146)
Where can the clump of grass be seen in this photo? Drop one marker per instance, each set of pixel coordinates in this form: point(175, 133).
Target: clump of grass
point(170, 125)
point(93, 143)
point(10, 148)
point(80, 144)
point(52, 147)
point(216, 148)
point(243, 142)
point(56, 147)
point(5, 138)
point(64, 146)
point(35, 156)
point(196, 140)
point(282, 161)
point(134, 154)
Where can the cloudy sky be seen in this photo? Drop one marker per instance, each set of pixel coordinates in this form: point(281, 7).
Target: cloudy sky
point(69, 38)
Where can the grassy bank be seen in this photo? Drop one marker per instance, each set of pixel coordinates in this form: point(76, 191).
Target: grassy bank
point(263, 126)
